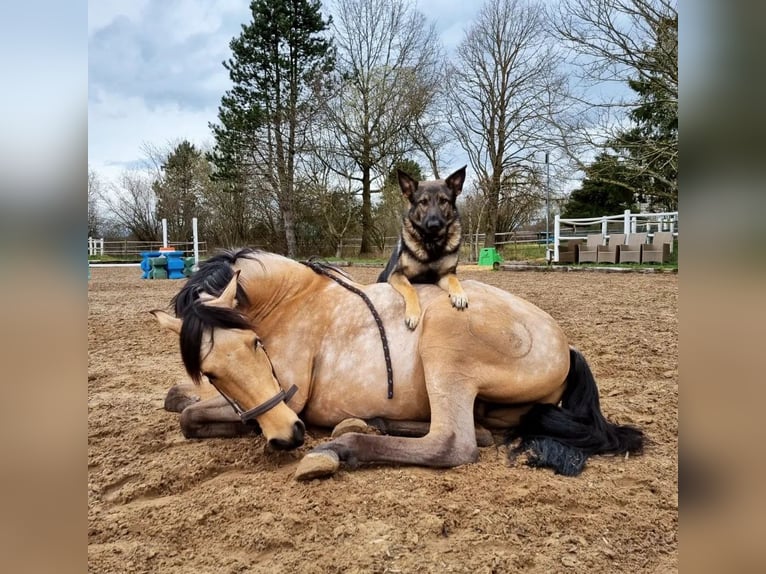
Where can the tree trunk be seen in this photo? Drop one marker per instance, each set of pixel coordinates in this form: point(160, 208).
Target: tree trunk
point(366, 246)
point(493, 200)
point(288, 219)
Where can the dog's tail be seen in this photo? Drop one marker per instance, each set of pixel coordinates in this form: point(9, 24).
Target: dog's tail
point(563, 437)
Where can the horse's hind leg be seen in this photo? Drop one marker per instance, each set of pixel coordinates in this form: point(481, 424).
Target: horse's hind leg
point(182, 395)
point(213, 418)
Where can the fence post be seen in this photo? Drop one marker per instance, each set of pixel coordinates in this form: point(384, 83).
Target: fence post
point(626, 222)
point(604, 229)
point(101, 241)
point(556, 235)
point(196, 242)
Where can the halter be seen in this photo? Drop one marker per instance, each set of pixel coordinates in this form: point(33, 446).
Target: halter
point(266, 406)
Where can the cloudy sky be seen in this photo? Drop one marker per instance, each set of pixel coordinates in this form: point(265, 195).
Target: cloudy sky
point(155, 73)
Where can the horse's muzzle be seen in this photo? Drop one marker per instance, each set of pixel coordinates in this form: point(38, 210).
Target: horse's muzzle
point(299, 430)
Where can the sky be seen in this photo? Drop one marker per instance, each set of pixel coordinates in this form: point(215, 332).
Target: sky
point(155, 74)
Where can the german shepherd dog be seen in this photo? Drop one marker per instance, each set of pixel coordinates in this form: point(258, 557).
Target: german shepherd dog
point(427, 250)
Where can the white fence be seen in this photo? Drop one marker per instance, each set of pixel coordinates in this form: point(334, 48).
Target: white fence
point(472, 243)
point(626, 223)
point(126, 249)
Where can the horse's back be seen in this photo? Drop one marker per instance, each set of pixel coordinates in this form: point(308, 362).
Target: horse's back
point(508, 347)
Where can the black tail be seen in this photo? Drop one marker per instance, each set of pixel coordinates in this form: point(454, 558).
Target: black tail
point(563, 437)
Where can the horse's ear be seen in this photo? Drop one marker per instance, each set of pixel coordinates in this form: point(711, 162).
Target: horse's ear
point(406, 184)
point(455, 181)
point(167, 321)
point(228, 298)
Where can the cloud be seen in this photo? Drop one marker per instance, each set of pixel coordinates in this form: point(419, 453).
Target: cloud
point(155, 74)
point(164, 52)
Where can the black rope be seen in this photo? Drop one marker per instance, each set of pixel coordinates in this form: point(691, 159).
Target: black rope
point(321, 269)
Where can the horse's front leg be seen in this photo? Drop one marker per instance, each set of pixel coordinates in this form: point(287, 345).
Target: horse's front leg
point(450, 441)
point(420, 428)
point(213, 418)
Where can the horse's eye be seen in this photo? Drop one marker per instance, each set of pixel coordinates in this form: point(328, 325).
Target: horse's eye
point(210, 377)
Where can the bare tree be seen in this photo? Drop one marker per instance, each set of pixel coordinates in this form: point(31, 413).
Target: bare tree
point(499, 88)
point(388, 71)
point(94, 194)
point(630, 43)
point(132, 205)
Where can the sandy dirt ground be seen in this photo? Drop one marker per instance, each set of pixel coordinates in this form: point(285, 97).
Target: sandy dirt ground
point(160, 503)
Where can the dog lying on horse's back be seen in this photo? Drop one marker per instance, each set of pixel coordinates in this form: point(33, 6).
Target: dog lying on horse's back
point(429, 244)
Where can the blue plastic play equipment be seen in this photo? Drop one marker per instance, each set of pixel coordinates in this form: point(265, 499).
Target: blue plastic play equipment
point(162, 265)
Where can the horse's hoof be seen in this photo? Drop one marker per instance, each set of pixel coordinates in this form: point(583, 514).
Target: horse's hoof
point(484, 437)
point(176, 400)
point(349, 425)
point(317, 465)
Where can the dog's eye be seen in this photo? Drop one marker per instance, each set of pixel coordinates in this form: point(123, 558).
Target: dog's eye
point(423, 202)
point(442, 201)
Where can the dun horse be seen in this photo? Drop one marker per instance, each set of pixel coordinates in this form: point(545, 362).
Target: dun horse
point(338, 350)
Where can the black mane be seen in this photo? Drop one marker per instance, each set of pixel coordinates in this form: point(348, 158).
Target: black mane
point(212, 277)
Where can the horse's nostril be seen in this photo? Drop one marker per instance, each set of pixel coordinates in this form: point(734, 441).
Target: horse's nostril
point(299, 430)
point(296, 440)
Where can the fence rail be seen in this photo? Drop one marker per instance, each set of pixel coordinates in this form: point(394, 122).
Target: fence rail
point(132, 249)
point(472, 243)
point(626, 222)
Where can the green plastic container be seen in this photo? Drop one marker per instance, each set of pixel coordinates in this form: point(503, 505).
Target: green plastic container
point(158, 273)
point(489, 257)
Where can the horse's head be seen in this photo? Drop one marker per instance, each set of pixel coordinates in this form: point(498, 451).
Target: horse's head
point(218, 342)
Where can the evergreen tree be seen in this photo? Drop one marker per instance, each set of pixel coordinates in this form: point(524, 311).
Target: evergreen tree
point(180, 189)
point(392, 205)
point(650, 147)
point(606, 190)
point(277, 62)
point(652, 144)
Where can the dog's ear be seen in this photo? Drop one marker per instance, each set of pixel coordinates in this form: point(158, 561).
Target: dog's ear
point(455, 181)
point(408, 185)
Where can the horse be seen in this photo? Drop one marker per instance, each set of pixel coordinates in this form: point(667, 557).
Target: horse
point(338, 350)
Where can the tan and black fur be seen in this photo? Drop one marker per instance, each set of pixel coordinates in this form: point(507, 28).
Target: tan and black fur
point(428, 247)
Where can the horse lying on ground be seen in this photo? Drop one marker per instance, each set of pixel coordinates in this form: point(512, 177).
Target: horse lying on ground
point(503, 364)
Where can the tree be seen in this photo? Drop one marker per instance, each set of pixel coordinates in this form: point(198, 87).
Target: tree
point(132, 206)
point(388, 73)
point(602, 191)
point(499, 88)
point(277, 62)
point(94, 215)
point(389, 210)
point(633, 43)
point(652, 144)
point(185, 174)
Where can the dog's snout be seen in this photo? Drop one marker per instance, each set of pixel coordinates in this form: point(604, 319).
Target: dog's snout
point(434, 223)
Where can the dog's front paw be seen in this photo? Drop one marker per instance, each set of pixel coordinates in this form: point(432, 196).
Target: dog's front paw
point(412, 321)
point(459, 300)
